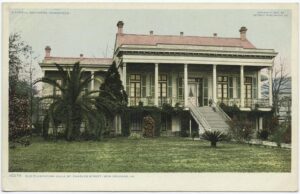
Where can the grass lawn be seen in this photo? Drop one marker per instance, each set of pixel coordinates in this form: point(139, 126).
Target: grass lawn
point(147, 155)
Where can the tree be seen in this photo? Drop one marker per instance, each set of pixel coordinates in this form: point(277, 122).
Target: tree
point(19, 90)
point(74, 105)
point(113, 85)
point(280, 83)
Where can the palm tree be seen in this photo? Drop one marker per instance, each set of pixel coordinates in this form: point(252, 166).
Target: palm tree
point(75, 105)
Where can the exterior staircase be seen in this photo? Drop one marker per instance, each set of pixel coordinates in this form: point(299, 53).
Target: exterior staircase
point(209, 118)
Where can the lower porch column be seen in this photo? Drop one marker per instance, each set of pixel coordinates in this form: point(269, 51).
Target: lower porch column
point(156, 85)
point(124, 76)
point(260, 123)
point(242, 90)
point(186, 85)
point(93, 80)
point(270, 87)
point(215, 83)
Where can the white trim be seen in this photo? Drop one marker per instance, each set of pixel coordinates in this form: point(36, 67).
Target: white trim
point(197, 60)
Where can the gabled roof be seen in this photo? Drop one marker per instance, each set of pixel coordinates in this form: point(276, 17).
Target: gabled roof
point(82, 60)
point(135, 39)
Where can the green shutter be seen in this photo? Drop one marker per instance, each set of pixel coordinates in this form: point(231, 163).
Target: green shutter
point(127, 84)
point(254, 87)
point(144, 85)
point(170, 86)
point(152, 86)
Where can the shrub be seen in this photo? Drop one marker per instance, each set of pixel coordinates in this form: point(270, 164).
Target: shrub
point(263, 134)
point(213, 137)
point(195, 134)
point(282, 134)
point(278, 136)
point(185, 123)
point(135, 136)
point(149, 126)
point(287, 136)
point(241, 129)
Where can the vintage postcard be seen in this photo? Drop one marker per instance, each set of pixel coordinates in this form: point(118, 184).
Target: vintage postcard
point(150, 97)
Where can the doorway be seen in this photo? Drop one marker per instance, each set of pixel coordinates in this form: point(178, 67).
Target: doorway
point(198, 91)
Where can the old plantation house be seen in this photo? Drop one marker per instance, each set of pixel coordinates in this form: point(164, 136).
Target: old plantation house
point(193, 72)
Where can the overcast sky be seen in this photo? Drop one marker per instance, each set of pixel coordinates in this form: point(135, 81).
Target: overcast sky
point(92, 32)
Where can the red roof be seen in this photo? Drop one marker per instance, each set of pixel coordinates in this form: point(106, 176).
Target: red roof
point(83, 60)
point(134, 39)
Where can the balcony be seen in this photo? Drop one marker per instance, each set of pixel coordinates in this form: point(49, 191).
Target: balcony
point(149, 101)
point(248, 103)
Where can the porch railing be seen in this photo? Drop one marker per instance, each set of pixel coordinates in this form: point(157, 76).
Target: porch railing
point(248, 103)
point(149, 101)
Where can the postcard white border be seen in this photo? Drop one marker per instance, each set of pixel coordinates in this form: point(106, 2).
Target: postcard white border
point(151, 181)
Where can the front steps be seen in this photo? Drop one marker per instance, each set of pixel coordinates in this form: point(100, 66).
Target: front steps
point(209, 118)
point(214, 118)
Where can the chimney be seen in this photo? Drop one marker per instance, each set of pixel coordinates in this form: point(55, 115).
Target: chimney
point(120, 25)
point(243, 31)
point(151, 32)
point(215, 35)
point(181, 33)
point(47, 51)
point(81, 56)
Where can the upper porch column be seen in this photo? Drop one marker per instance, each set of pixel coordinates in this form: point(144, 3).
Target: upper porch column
point(156, 85)
point(215, 83)
point(270, 87)
point(242, 86)
point(124, 76)
point(259, 84)
point(185, 85)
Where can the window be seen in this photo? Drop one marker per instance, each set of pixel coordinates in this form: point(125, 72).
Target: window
point(162, 85)
point(248, 87)
point(222, 87)
point(135, 88)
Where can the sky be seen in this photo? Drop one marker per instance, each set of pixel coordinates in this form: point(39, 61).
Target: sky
point(92, 32)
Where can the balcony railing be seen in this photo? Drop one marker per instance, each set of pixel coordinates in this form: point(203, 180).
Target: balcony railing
point(248, 103)
point(149, 101)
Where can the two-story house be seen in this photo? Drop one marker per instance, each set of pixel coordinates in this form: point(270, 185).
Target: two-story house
point(195, 72)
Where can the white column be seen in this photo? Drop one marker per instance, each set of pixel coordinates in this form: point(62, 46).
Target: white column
point(258, 84)
point(260, 123)
point(156, 85)
point(93, 80)
point(215, 83)
point(185, 85)
point(242, 89)
point(270, 87)
point(124, 76)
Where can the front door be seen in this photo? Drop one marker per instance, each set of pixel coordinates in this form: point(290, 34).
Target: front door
point(192, 93)
point(198, 91)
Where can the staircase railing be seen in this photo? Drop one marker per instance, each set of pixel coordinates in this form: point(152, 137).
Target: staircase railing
point(199, 116)
point(223, 114)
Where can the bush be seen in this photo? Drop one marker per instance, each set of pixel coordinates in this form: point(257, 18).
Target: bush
point(214, 137)
point(240, 129)
point(149, 126)
point(263, 134)
point(195, 134)
point(185, 123)
point(135, 136)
